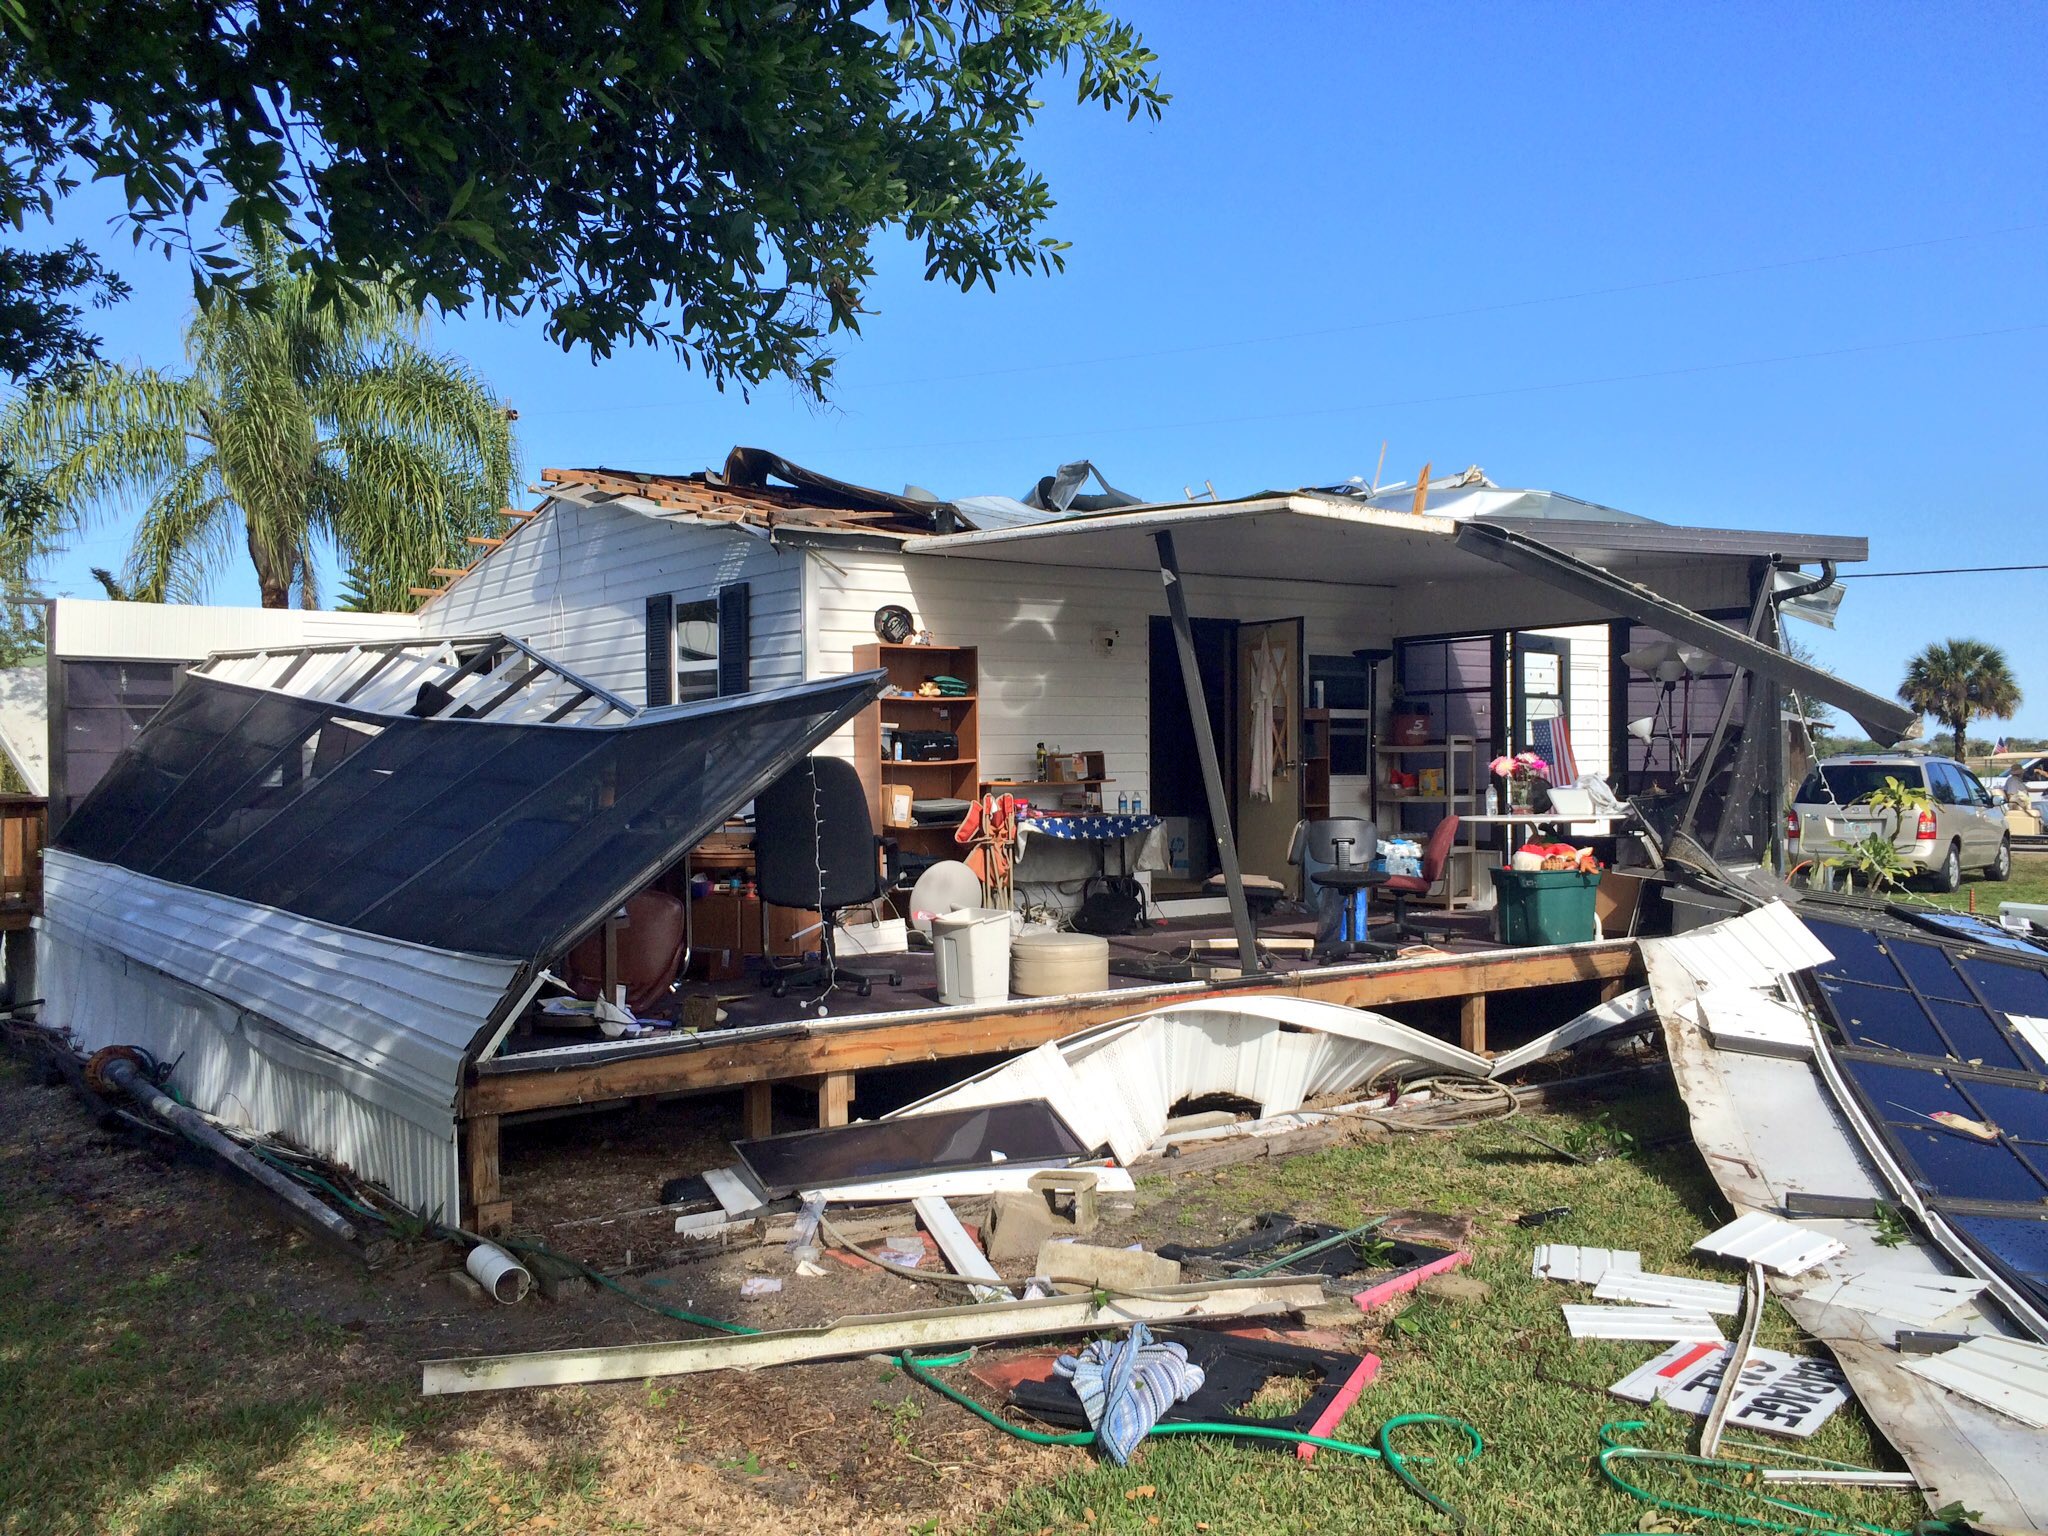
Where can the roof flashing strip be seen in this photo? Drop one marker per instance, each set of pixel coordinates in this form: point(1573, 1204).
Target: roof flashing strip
point(1886, 721)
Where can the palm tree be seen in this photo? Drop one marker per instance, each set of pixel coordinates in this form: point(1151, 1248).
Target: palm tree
point(299, 424)
point(1958, 681)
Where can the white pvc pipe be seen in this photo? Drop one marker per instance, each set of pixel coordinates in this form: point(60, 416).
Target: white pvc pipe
point(503, 1276)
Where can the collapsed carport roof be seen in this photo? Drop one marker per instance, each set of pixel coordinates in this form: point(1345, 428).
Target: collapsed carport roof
point(1305, 536)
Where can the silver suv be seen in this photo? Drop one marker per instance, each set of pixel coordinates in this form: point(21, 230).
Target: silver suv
point(1963, 828)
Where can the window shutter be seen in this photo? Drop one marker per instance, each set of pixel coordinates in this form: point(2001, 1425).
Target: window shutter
point(735, 637)
point(661, 656)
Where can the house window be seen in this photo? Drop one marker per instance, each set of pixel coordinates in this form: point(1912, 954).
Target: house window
point(696, 651)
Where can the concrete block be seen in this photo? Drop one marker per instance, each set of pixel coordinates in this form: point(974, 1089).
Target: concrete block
point(1020, 1225)
point(1084, 1266)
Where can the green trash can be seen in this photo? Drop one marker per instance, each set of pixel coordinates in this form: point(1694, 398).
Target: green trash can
point(1544, 906)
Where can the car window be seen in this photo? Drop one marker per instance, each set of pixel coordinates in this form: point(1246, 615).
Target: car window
point(1941, 783)
point(1979, 795)
point(1844, 783)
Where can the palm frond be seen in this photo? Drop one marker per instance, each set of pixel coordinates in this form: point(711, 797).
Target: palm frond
point(106, 441)
point(186, 537)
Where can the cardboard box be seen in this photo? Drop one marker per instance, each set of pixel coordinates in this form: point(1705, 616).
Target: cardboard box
point(896, 804)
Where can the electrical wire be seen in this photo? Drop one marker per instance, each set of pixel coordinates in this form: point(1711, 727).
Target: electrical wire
point(1949, 570)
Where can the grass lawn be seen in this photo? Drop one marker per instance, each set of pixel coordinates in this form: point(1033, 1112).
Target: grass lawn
point(1505, 1365)
point(2029, 882)
point(169, 1367)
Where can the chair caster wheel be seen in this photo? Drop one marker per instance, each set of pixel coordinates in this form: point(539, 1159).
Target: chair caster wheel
point(779, 990)
point(895, 978)
point(867, 989)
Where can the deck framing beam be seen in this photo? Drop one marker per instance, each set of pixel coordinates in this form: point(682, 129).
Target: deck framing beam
point(845, 1047)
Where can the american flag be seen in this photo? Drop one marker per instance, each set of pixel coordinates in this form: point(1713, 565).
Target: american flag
point(1551, 739)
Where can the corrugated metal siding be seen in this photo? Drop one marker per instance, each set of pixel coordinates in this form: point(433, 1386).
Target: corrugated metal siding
point(401, 1013)
point(1042, 677)
point(573, 583)
point(186, 632)
point(230, 1064)
point(1518, 602)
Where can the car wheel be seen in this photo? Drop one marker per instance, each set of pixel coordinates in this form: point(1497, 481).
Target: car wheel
point(1950, 875)
point(2001, 867)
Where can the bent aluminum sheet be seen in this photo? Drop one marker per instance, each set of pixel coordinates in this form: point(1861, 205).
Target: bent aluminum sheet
point(1664, 1324)
point(1771, 1241)
point(1766, 1127)
point(1582, 1266)
point(2009, 1375)
point(1682, 1291)
point(1117, 1085)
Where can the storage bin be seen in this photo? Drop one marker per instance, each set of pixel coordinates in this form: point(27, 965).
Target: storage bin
point(1045, 962)
point(1545, 906)
point(971, 949)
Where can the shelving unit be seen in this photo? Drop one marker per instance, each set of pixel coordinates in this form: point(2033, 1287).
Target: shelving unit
point(1462, 869)
point(954, 778)
point(1315, 764)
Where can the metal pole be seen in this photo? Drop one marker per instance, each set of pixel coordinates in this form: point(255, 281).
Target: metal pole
point(1249, 961)
point(1757, 613)
point(193, 1126)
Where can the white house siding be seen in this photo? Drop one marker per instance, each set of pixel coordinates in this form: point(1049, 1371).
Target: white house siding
point(573, 583)
point(82, 628)
point(1043, 674)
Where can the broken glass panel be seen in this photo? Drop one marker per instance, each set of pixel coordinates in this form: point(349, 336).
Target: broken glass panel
point(1028, 1133)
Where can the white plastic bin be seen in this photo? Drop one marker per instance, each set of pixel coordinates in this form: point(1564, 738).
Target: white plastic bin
point(972, 951)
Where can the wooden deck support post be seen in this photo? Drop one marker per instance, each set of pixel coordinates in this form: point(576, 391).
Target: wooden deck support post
point(835, 1098)
point(487, 1210)
point(1472, 1023)
point(757, 1111)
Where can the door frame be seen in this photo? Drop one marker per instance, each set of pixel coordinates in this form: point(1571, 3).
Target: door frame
point(1522, 643)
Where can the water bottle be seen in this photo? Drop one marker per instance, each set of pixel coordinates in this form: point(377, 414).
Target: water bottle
point(1123, 803)
point(1137, 805)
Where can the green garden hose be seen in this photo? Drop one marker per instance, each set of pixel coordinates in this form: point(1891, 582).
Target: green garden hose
point(1612, 1450)
point(919, 1370)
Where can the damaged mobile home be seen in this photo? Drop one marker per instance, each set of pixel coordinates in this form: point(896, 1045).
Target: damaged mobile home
point(326, 880)
point(569, 835)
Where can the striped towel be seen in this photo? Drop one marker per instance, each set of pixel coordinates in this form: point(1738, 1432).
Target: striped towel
point(1126, 1384)
point(1551, 739)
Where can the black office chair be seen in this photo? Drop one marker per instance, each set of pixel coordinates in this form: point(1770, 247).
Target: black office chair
point(1334, 854)
point(815, 849)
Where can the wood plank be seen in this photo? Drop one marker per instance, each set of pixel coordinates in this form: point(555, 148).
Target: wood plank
point(482, 541)
point(481, 1188)
point(937, 1034)
point(450, 571)
point(961, 1251)
point(1472, 1024)
point(757, 1111)
point(859, 1336)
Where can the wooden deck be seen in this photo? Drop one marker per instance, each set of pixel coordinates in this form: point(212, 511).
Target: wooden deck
point(827, 1053)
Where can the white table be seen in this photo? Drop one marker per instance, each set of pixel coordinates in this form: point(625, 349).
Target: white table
point(1511, 819)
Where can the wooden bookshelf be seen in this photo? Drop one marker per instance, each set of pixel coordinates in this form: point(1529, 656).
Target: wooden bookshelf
point(955, 778)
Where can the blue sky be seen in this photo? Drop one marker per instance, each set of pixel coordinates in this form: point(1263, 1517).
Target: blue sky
point(1743, 265)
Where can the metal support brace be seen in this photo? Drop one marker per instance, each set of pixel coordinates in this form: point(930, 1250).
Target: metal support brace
point(1250, 962)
